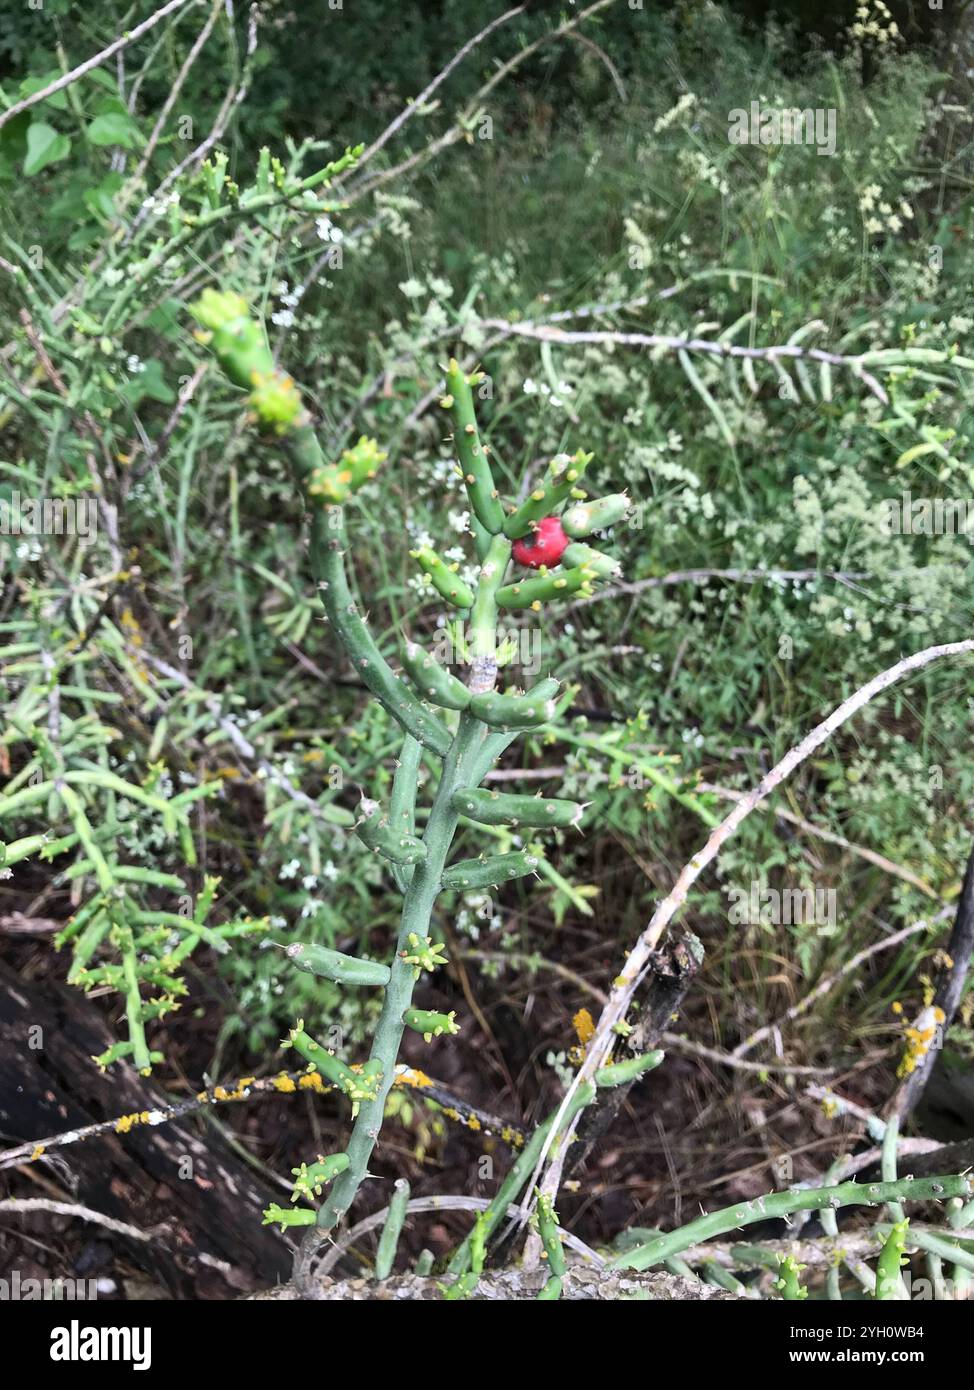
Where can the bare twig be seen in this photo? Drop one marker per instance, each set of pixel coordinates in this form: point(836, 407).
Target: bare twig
point(123, 41)
point(19, 1206)
point(639, 959)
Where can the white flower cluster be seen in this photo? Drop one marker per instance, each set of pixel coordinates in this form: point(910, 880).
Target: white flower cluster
point(882, 217)
point(874, 21)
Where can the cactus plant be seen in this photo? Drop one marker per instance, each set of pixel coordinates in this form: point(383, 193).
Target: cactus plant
point(464, 722)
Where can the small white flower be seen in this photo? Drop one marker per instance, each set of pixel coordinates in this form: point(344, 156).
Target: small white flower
point(289, 869)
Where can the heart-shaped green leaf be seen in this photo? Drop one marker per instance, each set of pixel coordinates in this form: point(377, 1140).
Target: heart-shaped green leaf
point(44, 146)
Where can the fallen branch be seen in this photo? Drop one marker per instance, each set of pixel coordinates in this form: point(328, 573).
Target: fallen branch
point(640, 957)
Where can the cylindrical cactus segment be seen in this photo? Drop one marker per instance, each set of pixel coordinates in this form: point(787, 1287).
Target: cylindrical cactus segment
point(502, 808)
point(432, 681)
point(328, 541)
point(376, 831)
point(358, 1083)
point(621, 1073)
point(444, 577)
point(559, 484)
point(532, 593)
point(789, 1283)
point(550, 1237)
point(516, 711)
point(586, 517)
point(276, 1215)
point(577, 554)
point(431, 1025)
point(235, 337)
point(334, 965)
point(891, 1261)
point(334, 482)
point(477, 476)
point(489, 870)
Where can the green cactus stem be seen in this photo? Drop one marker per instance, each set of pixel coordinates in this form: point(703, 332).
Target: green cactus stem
point(502, 808)
point(443, 577)
point(431, 1025)
point(551, 1290)
point(483, 618)
point(236, 338)
point(328, 545)
point(561, 483)
point(789, 1283)
point(621, 1073)
point(385, 1255)
point(311, 1178)
point(284, 1217)
point(559, 583)
point(547, 1219)
point(411, 957)
point(517, 711)
point(432, 681)
point(471, 454)
point(518, 1175)
point(334, 965)
point(597, 515)
point(889, 1283)
point(382, 837)
point(489, 870)
point(335, 482)
point(579, 555)
point(777, 1204)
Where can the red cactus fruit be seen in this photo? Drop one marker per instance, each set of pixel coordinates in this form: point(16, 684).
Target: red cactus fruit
point(544, 546)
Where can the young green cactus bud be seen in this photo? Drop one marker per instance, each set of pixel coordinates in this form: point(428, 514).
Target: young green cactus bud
point(432, 681)
point(789, 1283)
point(423, 954)
point(311, 1177)
point(275, 1215)
point(275, 401)
point(375, 831)
point(490, 869)
point(601, 512)
point(560, 484)
point(516, 711)
point(237, 340)
point(532, 593)
point(621, 1073)
point(474, 466)
point(430, 1024)
point(444, 577)
point(502, 808)
point(334, 965)
point(605, 566)
point(334, 482)
point(890, 1262)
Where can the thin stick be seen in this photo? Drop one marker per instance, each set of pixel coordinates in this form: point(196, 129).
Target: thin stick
point(121, 42)
point(16, 1206)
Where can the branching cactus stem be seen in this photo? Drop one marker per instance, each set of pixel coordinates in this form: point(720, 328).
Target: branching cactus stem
point(477, 727)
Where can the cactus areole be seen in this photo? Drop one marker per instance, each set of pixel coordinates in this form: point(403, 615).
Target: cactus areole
point(544, 546)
